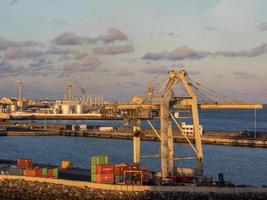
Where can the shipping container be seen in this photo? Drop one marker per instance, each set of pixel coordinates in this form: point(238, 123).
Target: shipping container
point(55, 172)
point(99, 160)
point(66, 164)
point(119, 179)
point(106, 129)
point(93, 177)
point(105, 178)
point(83, 127)
point(49, 173)
point(29, 172)
point(182, 179)
point(120, 168)
point(38, 172)
point(15, 170)
point(24, 163)
point(44, 171)
point(104, 169)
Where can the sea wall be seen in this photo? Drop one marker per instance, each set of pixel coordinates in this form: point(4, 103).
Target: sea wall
point(21, 189)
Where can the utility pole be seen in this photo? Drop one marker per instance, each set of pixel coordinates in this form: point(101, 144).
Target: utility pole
point(255, 123)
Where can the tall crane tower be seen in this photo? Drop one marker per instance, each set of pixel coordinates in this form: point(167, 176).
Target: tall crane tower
point(20, 98)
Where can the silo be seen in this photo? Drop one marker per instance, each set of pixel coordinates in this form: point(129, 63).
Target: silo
point(13, 107)
point(57, 108)
point(79, 109)
point(66, 109)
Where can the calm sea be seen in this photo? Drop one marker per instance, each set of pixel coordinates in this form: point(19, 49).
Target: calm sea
point(242, 165)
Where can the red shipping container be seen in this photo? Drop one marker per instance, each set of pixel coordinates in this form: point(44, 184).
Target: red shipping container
point(29, 172)
point(49, 173)
point(24, 163)
point(38, 172)
point(105, 178)
point(182, 179)
point(119, 169)
point(104, 169)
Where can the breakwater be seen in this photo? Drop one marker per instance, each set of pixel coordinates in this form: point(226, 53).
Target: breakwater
point(40, 188)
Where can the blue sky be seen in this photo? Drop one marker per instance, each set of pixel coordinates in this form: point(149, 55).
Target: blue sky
point(114, 47)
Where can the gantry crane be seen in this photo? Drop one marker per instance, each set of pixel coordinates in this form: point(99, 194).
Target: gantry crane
point(165, 103)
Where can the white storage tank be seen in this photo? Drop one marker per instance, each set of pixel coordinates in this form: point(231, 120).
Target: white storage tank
point(83, 127)
point(65, 109)
point(79, 109)
point(13, 107)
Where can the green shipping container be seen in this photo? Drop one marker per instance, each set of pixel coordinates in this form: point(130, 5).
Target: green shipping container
point(93, 177)
point(55, 172)
point(99, 160)
point(44, 171)
point(93, 169)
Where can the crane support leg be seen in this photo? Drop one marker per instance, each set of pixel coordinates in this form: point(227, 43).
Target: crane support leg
point(171, 149)
point(197, 135)
point(136, 141)
point(164, 117)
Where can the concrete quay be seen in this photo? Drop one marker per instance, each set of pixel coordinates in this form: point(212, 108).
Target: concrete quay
point(19, 187)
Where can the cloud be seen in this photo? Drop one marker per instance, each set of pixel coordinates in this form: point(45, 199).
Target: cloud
point(157, 70)
point(70, 38)
point(6, 43)
point(180, 53)
point(186, 53)
point(67, 38)
point(91, 61)
point(9, 69)
point(113, 50)
point(253, 52)
point(55, 50)
point(262, 26)
point(89, 64)
point(17, 53)
point(112, 35)
point(244, 75)
point(41, 67)
point(13, 2)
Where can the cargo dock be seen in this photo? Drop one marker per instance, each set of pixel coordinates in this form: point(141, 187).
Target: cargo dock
point(245, 138)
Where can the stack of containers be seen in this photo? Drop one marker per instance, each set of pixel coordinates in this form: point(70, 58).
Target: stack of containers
point(119, 172)
point(97, 160)
point(105, 173)
point(25, 163)
point(22, 164)
point(41, 172)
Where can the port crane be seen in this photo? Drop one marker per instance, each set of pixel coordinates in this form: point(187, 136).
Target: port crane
point(162, 106)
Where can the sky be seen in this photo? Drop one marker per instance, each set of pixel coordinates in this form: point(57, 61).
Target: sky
point(115, 47)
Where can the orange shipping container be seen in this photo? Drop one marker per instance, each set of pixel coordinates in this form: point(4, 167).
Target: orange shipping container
point(24, 162)
point(29, 172)
point(105, 178)
point(104, 169)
